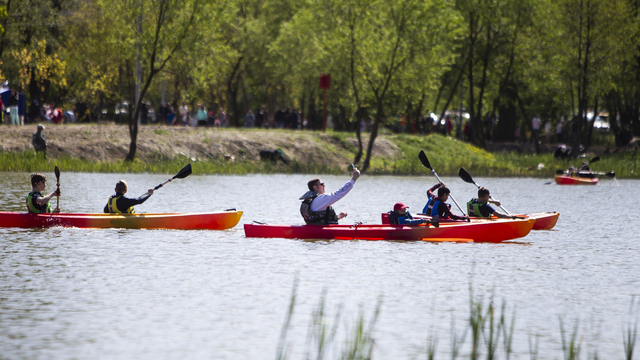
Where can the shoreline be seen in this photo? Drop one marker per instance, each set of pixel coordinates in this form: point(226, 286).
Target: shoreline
point(165, 149)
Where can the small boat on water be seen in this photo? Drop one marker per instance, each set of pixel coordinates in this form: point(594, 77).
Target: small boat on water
point(179, 221)
point(544, 221)
point(575, 179)
point(488, 231)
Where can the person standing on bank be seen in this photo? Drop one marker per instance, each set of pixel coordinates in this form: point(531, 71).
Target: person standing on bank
point(38, 141)
point(316, 204)
point(36, 203)
point(120, 204)
point(13, 108)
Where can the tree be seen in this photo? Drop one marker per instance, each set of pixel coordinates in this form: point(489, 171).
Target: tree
point(159, 30)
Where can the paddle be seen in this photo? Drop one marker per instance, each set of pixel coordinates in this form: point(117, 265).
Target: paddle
point(57, 171)
point(466, 177)
point(425, 161)
point(186, 171)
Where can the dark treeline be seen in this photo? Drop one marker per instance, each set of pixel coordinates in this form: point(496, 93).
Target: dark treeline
point(393, 63)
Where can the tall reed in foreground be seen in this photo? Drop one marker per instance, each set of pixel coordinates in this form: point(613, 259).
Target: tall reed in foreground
point(630, 333)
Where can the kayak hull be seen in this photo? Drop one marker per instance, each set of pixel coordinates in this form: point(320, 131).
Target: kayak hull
point(493, 231)
point(544, 221)
point(575, 180)
point(180, 221)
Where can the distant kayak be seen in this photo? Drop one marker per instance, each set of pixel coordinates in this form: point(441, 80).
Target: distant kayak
point(574, 179)
point(489, 231)
point(544, 221)
point(180, 221)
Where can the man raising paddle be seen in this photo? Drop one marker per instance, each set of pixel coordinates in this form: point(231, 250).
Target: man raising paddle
point(436, 204)
point(120, 204)
point(316, 205)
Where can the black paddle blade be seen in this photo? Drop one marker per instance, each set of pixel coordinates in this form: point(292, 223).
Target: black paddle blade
point(57, 171)
point(597, 158)
point(464, 175)
point(611, 174)
point(423, 159)
point(186, 171)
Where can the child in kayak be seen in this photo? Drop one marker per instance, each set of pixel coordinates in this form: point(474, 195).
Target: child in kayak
point(436, 204)
point(316, 205)
point(400, 215)
point(36, 203)
point(120, 204)
point(479, 207)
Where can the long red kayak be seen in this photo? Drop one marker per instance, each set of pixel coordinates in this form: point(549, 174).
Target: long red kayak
point(493, 231)
point(544, 221)
point(572, 179)
point(181, 221)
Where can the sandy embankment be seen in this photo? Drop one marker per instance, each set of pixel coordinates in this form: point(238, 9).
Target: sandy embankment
point(111, 142)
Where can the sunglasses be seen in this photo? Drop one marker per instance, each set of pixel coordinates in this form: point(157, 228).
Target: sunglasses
point(321, 184)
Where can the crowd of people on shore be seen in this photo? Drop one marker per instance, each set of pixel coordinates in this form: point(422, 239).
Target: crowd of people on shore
point(284, 118)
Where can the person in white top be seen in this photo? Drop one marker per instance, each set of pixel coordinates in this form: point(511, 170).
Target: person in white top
point(535, 126)
point(316, 203)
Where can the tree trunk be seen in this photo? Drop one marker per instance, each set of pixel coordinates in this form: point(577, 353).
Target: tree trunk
point(373, 136)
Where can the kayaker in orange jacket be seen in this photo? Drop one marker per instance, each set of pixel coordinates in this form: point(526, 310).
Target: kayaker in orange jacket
point(479, 207)
point(120, 204)
point(436, 204)
point(36, 203)
point(316, 205)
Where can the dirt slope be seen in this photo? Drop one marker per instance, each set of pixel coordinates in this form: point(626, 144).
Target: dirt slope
point(111, 143)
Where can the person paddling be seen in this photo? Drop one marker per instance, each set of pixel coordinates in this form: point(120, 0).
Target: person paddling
point(436, 205)
point(400, 215)
point(119, 204)
point(316, 205)
point(36, 203)
point(479, 207)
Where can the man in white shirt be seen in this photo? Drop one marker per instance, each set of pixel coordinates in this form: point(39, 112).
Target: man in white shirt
point(316, 204)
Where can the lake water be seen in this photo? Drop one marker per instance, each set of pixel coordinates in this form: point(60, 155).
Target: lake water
point(70, 293)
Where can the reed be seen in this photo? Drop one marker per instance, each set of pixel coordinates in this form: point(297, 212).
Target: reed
point(491, 334)
point(571, 345)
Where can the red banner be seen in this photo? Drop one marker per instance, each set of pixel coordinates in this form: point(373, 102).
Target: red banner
point(325, 81)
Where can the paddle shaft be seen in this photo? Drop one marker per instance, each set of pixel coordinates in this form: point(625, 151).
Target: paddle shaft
point(183, 173)
point(450, 195)
point(57, 172)
point(491, 198)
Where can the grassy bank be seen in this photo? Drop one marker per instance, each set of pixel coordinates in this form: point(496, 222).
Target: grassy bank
point(446, 155)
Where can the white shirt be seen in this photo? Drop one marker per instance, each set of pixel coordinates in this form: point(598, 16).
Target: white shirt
point(323, 201)
point(535, 123)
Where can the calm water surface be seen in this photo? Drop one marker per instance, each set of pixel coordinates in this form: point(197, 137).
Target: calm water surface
point(155, 294)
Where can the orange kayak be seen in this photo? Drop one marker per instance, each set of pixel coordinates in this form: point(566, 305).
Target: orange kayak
point(571, 179)
point(487, 231)
point(544, 221)
point(179, 221)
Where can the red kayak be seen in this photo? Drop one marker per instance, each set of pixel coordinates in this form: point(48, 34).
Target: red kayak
point(544, 221)
point(181, 221)
point(572, 179)
point(487, 231)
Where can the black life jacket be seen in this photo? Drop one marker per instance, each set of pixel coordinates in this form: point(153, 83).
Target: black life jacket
point(322, 217)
